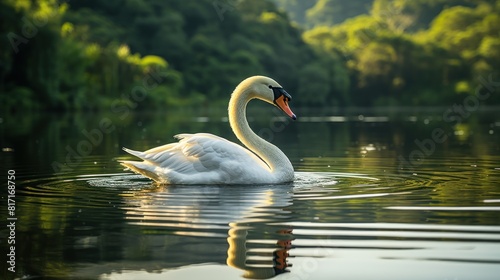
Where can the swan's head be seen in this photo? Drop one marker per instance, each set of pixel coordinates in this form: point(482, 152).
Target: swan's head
point(269, 90)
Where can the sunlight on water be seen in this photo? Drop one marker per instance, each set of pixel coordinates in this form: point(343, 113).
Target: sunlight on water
point(353, 210)
point(261, 230)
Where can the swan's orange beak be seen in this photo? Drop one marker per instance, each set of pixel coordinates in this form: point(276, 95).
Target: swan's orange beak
point(282, 103)
point(281, 98)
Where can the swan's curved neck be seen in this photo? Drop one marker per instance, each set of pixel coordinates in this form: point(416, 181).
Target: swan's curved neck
point(275, 159)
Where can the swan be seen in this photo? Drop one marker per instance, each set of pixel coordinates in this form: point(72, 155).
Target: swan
point(204, 158)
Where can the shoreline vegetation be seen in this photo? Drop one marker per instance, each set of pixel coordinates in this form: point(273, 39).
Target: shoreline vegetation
point(147, 55)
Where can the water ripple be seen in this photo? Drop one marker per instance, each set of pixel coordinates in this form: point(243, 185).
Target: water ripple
point(321, 215)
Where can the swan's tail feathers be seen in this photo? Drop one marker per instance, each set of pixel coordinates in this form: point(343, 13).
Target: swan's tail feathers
point(142, 168)
point(134, 153)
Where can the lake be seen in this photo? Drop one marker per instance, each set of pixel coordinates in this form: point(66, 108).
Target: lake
point(401, 193)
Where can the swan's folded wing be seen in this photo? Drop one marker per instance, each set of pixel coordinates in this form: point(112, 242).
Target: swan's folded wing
point(195, 155)
point(211, 151)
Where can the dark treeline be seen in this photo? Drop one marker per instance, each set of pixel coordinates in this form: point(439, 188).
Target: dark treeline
point(92, 55)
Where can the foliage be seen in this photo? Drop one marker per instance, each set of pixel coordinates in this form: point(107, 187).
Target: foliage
point(429, 67)
point(329, 12)
point(95, 55)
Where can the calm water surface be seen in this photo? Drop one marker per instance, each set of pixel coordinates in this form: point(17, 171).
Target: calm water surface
point(378, 195)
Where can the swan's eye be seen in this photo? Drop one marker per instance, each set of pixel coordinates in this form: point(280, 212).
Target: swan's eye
point(270, 86)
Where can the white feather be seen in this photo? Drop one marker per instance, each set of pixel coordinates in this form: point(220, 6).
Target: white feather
point(204, 158)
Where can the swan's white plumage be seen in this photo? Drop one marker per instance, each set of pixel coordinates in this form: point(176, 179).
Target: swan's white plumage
point(204, 158)
point(200, 158)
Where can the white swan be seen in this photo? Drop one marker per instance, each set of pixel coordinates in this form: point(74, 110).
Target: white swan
point(204, 158)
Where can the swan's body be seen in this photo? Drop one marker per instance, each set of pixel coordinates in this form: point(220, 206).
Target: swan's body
point(204, 158)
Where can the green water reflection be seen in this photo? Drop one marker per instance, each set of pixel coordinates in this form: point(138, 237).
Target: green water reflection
point(39, 139)
point(75, 221)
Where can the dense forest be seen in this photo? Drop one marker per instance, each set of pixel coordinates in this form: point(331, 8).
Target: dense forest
point(93, 55)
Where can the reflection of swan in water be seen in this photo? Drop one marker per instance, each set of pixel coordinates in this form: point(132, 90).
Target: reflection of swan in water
point(237, 253)
point(208, 159)
point(203, 210)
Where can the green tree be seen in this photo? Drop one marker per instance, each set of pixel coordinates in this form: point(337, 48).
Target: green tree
point(29, 67)
point(376, 66)
point(395, 14)
point(296, 9)
point(330, 12)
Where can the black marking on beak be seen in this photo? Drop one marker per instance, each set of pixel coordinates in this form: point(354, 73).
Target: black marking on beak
point(279, 91)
